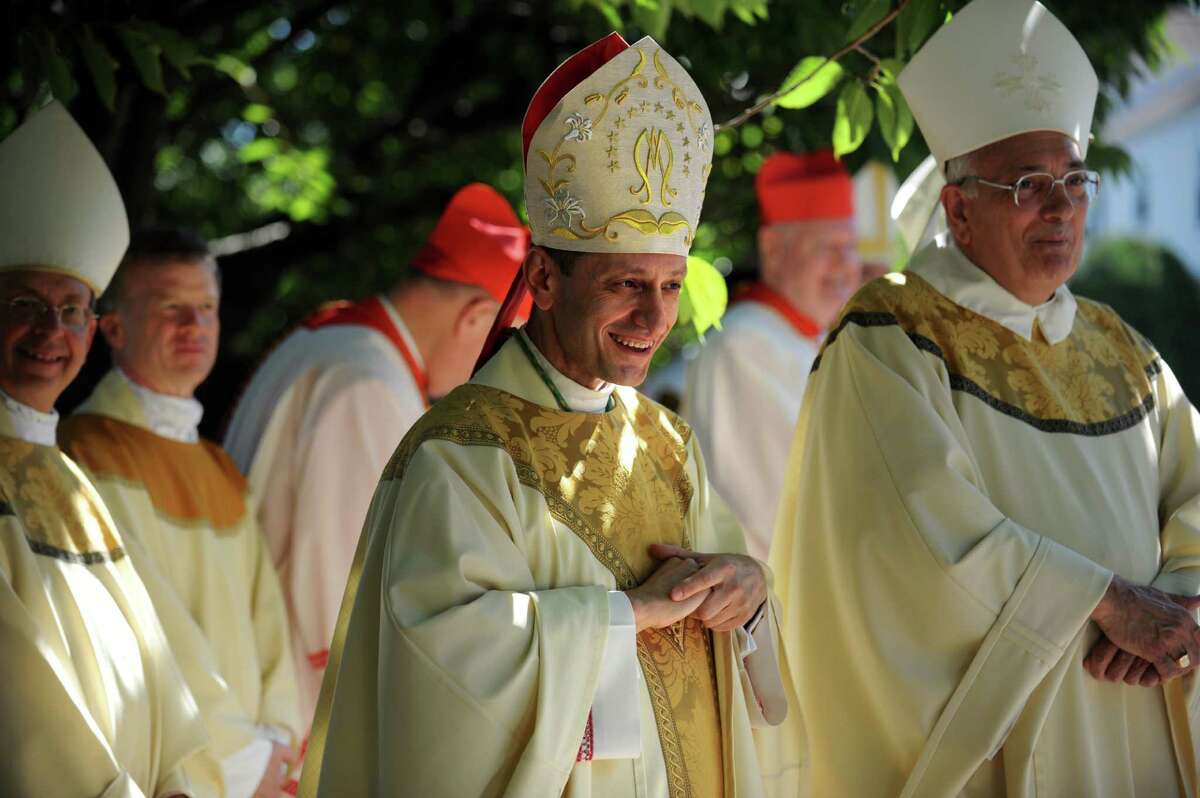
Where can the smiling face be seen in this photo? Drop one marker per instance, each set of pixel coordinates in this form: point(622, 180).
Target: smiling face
point(605, 317)
point(1030, 249)
point(40, 357)
point(813, 264)
point(164, 328)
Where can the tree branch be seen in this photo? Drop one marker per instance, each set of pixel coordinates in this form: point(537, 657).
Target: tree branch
point(764, 103)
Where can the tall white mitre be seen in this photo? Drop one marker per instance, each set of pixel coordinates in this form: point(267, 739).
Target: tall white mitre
point(60, 210)
point(618, 147)
point(998, 69)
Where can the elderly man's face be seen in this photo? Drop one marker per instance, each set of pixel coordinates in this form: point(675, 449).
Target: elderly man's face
point(164, 331)
point(1030, 249)
point(39, 355)
point(611, 312)
point(813, 264)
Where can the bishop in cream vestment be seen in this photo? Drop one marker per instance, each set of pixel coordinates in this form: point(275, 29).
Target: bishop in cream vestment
point(469, 651)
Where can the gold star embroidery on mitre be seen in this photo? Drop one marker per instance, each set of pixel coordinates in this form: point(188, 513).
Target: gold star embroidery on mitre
point(612, 166)
point(679, 127)
point(612, 136)
point(619, 122)
point(658, 107)
point(686, 141)
point(687, 157)
point(643, 105)
point(686, 172)
point(610, 151)
point(670, 114)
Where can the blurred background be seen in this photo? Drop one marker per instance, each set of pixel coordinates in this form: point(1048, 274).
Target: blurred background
point(315, 142)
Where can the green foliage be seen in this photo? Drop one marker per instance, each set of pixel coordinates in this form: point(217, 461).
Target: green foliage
point(853, 121)
point(811, 79)
point(704, 297)
point(1153, 291)
point(318, 140)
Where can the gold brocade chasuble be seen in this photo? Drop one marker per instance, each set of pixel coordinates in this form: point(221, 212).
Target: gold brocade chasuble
point(618, 481)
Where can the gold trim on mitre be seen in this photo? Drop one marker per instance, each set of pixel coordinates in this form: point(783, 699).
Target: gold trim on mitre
point(60, 209)
point(998, 69)
point(621, 162)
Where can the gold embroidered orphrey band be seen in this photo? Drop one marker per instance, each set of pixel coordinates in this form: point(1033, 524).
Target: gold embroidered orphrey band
point(1095, 382)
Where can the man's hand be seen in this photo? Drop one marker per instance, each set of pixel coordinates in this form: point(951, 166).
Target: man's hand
point(283, 758)
point(737, 583)
point(1146, 622)
point(653, 604)
point(1110, 664)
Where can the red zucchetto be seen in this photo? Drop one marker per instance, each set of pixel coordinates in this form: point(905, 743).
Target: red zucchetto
point(477, 241)
point(807, 187)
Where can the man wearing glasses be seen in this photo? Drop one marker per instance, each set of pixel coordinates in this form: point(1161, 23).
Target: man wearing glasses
point(91, 702)
point(1010, 606)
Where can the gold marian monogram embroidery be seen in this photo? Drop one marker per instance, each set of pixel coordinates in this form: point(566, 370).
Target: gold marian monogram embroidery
point(652, 156)
point(618, 480)
point(648, 158)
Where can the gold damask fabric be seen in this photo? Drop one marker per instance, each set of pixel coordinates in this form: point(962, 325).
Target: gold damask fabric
point(60, 512)
point(618, 481)
point(1094, 382)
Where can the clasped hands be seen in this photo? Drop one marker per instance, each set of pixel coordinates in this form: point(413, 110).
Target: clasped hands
point(1149, 636)
point(722, 591)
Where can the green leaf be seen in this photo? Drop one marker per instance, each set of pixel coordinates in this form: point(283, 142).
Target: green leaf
point(258, 150)
point(609, 12)
point(915, 23)
point(712, 12)
point(101, 65)
point(257, 113)
point(895, 117)
point(652, 16)
point(146, 57)
point(853, 120)
point(872, 12)
point(704, 297)
point(56, 68)
point(813, 78)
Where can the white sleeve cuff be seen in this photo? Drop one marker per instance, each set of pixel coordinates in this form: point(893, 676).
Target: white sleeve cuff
point(744, 635)
point(243, 770)
point(616, 711)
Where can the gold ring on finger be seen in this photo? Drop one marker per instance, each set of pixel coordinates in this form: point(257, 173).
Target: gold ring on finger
point(1184, 661)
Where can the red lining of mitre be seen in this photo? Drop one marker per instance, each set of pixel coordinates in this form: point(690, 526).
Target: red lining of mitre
point(804, 186)
point(568, 75)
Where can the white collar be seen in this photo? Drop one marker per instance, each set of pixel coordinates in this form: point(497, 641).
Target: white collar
point(579, 398)
point(174, 417)
point(30, 425)
point(944, 266)
point(402, 328)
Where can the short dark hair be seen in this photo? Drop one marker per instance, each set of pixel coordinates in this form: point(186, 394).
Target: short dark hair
point(155, 247)
point(566, 259)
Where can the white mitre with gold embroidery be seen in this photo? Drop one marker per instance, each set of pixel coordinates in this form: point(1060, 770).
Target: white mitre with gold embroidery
point(998, 69)
point(60, 210)
point(618, 147)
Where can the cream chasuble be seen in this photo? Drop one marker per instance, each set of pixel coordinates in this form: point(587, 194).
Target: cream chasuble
point(967, 473)
point(744, 390)
point(186, 505)
point(312, 432)
point(469, 648)
point(91, 702)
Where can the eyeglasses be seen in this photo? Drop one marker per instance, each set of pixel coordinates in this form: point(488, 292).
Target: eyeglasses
point(1080, 186)
point(30, 309)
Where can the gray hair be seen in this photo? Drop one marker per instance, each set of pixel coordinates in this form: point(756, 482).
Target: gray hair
point(961, 167)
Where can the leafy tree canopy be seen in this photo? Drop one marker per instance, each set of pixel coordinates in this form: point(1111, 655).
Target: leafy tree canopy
point(317, 141)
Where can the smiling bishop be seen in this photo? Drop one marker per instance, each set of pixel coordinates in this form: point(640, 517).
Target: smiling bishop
point(1008, 583)
point(92, 702)
point(543, 602)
